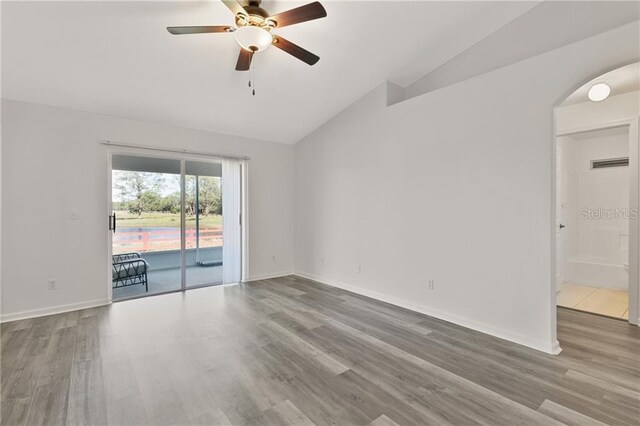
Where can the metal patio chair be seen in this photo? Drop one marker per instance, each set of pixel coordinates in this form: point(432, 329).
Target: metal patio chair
point(129, 269)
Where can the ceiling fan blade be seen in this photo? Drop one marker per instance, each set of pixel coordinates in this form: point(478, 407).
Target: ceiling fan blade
point(235, 7)
point(295, 50)
point(244, 60)
point(199, 30)
point(304, 13)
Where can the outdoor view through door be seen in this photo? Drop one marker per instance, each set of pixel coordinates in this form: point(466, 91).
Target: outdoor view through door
point(169, 224)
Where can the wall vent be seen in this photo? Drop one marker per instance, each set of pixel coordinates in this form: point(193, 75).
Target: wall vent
point(611, 162)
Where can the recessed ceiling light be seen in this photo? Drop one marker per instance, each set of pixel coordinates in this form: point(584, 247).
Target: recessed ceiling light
point(599, 92)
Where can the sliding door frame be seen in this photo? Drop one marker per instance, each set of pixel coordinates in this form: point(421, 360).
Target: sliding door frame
point(183, 227)
point(244, 223)
point(149, 152)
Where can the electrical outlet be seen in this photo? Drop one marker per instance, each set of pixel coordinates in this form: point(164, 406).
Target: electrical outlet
point(359, 268)
point(273, 258)
point(73, 215)
point(432, 284)
point(322, 260)
point(52, 284)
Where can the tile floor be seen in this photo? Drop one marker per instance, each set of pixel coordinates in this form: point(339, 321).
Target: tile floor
point(597, 300)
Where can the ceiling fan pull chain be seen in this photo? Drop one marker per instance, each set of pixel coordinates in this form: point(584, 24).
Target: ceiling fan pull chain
point(253, 78)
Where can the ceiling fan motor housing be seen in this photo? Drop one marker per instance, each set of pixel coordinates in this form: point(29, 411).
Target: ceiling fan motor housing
point(257, 15)
point(257, 11)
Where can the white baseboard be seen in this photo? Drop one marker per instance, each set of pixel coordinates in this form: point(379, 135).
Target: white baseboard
point(543, 346)
point(268, 276)
point(34, 313)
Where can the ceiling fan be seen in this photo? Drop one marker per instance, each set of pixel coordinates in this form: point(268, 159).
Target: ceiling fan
point(254, 30)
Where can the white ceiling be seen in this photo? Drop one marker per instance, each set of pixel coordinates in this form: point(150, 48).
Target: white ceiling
point(547, 26)
point(117, 58)
point(621, 80)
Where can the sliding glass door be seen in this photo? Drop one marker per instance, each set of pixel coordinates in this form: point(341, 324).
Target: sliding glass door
point(204, 223)
point(169, 224)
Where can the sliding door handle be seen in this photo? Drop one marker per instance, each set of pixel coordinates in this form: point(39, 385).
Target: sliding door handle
point(112, 222)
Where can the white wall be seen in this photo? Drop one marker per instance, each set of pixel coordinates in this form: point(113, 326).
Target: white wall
point(52, 157)
point(597, 247)
point(455, 186)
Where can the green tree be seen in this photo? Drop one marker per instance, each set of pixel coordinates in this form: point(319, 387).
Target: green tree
point(170, 203)
point(190, 195)
point(138, 190)
point(210, 195)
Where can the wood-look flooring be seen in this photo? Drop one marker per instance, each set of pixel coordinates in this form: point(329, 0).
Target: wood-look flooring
point(290, 351)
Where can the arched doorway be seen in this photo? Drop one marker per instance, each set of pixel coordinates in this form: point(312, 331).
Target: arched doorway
point(596, 196)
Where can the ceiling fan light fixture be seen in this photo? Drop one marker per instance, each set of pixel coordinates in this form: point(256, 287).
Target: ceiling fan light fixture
point(252, 38)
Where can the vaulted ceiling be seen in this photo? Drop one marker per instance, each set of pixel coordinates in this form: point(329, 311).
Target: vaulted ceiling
point(117, 58)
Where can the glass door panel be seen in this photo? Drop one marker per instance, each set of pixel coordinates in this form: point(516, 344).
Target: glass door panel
point(203, 223)
point(146, 244)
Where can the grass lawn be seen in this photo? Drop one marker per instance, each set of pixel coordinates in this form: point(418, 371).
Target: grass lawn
point(166, 220)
